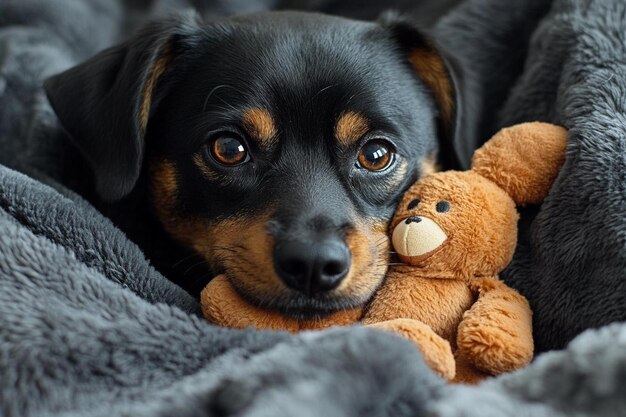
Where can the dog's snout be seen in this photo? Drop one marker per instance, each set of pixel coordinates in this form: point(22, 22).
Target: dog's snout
point(413, 219)
point(312, 267)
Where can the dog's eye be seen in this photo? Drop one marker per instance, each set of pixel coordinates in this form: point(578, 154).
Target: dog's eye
point(228, 149)
point(375, 155)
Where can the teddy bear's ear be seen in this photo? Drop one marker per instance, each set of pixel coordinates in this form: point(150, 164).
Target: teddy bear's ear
point(523, 160)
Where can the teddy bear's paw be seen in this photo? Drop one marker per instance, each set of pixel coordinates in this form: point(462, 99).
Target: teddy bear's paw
point(436, 351)
point(495, 344)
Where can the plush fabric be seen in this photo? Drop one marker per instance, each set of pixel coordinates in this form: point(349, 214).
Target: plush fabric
point(222, 305)
point(89, 328)
point(454, 231)
point(487, 323)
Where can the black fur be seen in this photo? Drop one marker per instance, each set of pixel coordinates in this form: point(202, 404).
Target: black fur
point(306, 69)
point(98, 102)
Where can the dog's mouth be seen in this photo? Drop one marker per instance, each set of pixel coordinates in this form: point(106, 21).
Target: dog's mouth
point(249, 267)
point(260, 287)
point(299, 306)
point(242, 248)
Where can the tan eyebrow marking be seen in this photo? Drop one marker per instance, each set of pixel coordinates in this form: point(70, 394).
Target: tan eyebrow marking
point(259, 124)
point(350, 127)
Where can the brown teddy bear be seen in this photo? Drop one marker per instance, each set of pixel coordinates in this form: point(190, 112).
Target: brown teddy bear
point(454, 231)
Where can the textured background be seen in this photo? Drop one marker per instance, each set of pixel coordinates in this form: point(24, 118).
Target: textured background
point(90, 328)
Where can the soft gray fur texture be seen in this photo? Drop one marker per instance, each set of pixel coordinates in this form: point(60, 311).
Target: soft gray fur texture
point(89, 328)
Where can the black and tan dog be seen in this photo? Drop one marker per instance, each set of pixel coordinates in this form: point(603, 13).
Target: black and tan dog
point(275, 146)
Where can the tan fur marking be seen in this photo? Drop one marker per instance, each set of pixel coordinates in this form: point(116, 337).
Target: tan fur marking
point(432, 70)
point(242, 246)
point(238, 244)
point(260, 125)
point(164, 189)
point(251, 272)
point(159, 68)
point(350, 127)
point(202, 166)
point(164, 181)
point(369, 246)
point(397, 176)
point(250, 266)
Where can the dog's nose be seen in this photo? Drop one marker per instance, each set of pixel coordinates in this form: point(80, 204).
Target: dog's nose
point(312, 268)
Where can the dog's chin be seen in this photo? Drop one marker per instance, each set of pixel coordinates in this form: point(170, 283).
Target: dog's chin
point(299, 306)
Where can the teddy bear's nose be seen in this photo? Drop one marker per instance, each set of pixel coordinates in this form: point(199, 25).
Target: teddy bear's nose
point(413, 219)
point(312, 268)
point(417, 236)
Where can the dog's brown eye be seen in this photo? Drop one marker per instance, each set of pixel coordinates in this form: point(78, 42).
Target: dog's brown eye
point(228, 149)
point(375, 155)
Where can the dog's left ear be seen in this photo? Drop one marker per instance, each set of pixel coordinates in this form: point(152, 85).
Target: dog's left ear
point(105, 102)
point(443, 79)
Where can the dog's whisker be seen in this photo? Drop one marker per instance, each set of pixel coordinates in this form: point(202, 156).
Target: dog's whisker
point(228, 105)
point(322, 90)
point(206, 100)
point(203, 262)
point(201, 278)
point(186, 258)
point(381, 245)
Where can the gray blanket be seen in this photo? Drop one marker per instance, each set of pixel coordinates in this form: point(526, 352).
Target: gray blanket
point(89, 328)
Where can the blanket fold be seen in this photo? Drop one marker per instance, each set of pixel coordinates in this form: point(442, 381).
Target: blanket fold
point(89, 328)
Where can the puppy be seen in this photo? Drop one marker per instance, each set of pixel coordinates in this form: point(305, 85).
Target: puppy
point(273, 146)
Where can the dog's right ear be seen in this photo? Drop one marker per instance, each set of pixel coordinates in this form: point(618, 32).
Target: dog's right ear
point(105, 102)
point(442, 76)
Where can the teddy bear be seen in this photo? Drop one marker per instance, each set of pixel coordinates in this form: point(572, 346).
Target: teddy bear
point(453, 232)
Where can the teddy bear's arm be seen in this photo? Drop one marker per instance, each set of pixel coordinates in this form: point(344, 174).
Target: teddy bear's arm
point(496, 332)
point(436, 350)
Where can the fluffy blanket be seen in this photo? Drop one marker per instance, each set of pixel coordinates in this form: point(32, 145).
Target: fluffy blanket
point(89, 328)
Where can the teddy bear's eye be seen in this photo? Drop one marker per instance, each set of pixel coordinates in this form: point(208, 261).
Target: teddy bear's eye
point(413, 204)
point(442, 206)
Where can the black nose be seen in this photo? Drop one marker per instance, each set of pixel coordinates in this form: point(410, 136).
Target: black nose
point(312, 267)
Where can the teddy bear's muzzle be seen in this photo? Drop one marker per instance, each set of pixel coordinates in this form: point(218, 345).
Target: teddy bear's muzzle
point(417, 236)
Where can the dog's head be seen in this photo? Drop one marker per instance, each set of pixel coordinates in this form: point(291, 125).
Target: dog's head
point(276, 145)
